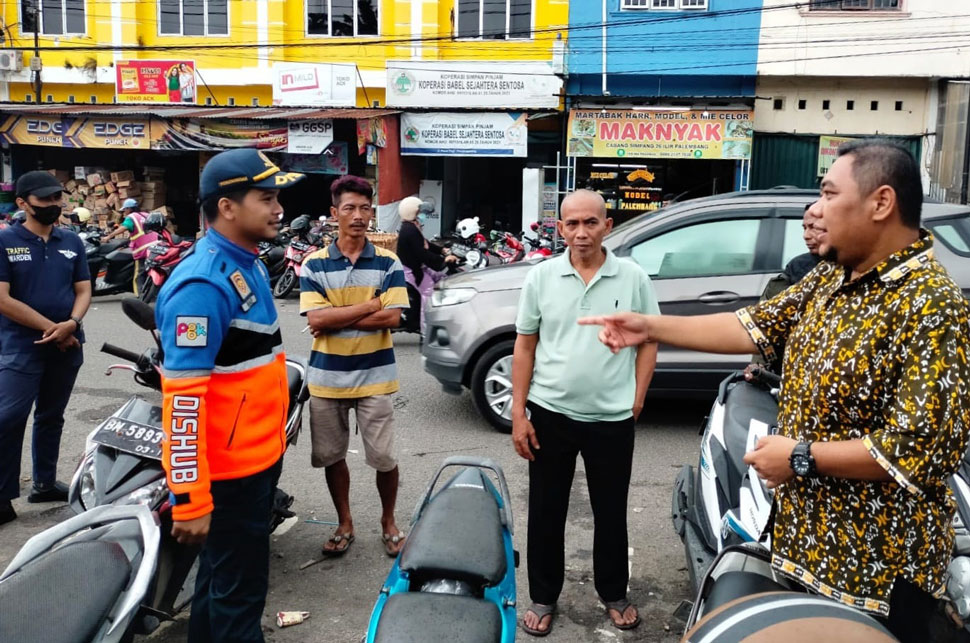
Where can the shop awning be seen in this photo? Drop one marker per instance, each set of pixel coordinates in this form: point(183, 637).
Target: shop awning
point(196, 111)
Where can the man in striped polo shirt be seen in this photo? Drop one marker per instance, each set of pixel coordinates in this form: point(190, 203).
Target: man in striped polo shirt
point(352, 293)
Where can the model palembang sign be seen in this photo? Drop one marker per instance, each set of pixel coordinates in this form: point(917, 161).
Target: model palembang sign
point(689, 134)
point(828, 151)
point(472, 84)
point(155, 81)
point(464, 134)
point(303, 85)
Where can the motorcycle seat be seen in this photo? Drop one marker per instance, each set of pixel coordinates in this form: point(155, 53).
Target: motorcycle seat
point(744, 403)
point(730, 586)
point(459, 536)
point(294, 382)
point(51, 599)
point(419, 617)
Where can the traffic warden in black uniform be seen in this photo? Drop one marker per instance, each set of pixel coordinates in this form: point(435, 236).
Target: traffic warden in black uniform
point(225, 395)
point(45, 290)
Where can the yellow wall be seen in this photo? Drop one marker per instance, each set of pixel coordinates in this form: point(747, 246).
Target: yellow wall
point(286, 24)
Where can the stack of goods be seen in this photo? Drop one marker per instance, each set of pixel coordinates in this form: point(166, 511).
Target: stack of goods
point(385, 240)
point(103, 192)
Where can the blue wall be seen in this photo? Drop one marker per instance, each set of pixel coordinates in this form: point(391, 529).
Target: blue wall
point(661, 53)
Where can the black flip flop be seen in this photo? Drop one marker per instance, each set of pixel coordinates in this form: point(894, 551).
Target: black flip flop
point(541, 611)
point(336, 539)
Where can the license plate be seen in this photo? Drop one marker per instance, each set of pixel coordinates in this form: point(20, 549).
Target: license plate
point(131, 437)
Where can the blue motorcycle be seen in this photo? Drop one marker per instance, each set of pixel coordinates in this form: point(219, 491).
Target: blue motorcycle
point(454, 580)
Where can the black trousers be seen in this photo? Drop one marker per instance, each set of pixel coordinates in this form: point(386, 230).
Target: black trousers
point(607, 450)
point(230, 589)
point(911, 612)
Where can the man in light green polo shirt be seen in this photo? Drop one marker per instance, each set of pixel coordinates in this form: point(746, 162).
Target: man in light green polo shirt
point(572, 396)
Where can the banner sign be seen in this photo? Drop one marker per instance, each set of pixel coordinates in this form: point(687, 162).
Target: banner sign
point(67, 131)
point(155, 81)
point(309, 137)
point(464, 134)
point(472, 84)
point(333, 160)
point(689, 134)
point(828, 149)
point(310, 85)
point(205, 134)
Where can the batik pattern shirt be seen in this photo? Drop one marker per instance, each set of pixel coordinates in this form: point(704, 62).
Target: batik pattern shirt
point(882, 359)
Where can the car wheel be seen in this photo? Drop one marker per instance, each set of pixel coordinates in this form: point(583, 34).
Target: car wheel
point(491, 385)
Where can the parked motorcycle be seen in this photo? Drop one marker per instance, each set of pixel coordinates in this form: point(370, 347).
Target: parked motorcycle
point(121, 464)
point(454, 580)
point(273, 255)
point(305, 241)
point(724, 505)
point(111, 265)
point(83, 579)
point(162, 257)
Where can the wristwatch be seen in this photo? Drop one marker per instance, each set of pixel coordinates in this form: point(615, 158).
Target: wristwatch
point(77, 320)
point(802, 462)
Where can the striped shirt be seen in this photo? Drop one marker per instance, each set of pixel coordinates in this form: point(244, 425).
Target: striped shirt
point(352, 363)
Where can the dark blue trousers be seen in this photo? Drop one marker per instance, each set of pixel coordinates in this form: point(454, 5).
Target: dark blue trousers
point(230, 589)
point(44, 376)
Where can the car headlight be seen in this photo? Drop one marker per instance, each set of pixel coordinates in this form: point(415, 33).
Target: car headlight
point(150, 496)
point(452, 296)
point(88, 492)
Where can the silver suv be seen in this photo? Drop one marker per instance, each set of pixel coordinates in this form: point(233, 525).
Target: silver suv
point(708, 255)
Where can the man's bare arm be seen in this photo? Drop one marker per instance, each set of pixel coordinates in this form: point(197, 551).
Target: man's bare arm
point(645, 365)
point(387, 318)
point(523, 364)
point(82, 298)
point(848, 459)
point(717, 333)
point(19, 312)
point(339, 317)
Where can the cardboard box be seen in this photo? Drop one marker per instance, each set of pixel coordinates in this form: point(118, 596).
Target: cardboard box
point(100, 190)
point(89, 203)
point(124, 184)
point(110, 187)
point(100, 204)
point(164, 209)
point(113, 200)
point(83, 189)
point(70, 185)
point(127, 175)
point(129, 192)
point(94, 179)
point(153, 186)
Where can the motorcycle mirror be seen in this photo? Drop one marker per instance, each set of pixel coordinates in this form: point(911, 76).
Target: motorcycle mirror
point(139, 312)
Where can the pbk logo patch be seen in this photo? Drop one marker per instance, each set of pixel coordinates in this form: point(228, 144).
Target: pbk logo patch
point(191, 332)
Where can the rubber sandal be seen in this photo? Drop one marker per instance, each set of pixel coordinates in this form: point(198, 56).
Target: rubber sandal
point(336, 539)
point(541, 611)
point(391, 543)
point(621, 606)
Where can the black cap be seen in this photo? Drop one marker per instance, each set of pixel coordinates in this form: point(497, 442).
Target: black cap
point(39, 183)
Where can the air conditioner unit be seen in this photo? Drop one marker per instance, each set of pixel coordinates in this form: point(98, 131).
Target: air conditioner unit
point(11, 60)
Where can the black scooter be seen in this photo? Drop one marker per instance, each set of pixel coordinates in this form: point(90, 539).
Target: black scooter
point(111, 264)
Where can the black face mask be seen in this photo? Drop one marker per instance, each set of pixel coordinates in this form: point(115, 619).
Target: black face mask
point(46, 215)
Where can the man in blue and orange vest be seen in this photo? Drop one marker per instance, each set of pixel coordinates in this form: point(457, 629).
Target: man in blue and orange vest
point(226, 396)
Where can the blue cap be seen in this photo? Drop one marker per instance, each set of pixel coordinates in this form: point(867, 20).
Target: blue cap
point(243, 169)
point(129, 203)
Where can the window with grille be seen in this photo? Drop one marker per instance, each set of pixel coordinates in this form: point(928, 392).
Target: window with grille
point(56, 17)
point(662, 5)
point(193, 17)
point(342, 17)
point(855, 5)
point(495, 19)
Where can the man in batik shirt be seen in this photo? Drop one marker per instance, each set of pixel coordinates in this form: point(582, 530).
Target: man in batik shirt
point(874, 408)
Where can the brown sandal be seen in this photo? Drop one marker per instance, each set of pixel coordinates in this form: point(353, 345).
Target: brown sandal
point(338, 550)
point(541, 611)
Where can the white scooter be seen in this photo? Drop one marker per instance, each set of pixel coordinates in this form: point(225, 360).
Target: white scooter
point(83, 580)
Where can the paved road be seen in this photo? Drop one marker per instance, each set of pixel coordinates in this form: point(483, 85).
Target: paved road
point(431, 425)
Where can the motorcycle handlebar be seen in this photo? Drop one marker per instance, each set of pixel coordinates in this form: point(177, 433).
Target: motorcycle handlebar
point(120, 353)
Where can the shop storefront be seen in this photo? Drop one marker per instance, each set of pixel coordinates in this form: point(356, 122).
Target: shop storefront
point(472, 162)
point(160, 152)
point(641, 159)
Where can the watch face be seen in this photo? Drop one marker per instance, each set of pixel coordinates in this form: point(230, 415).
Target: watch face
point(800, 465)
